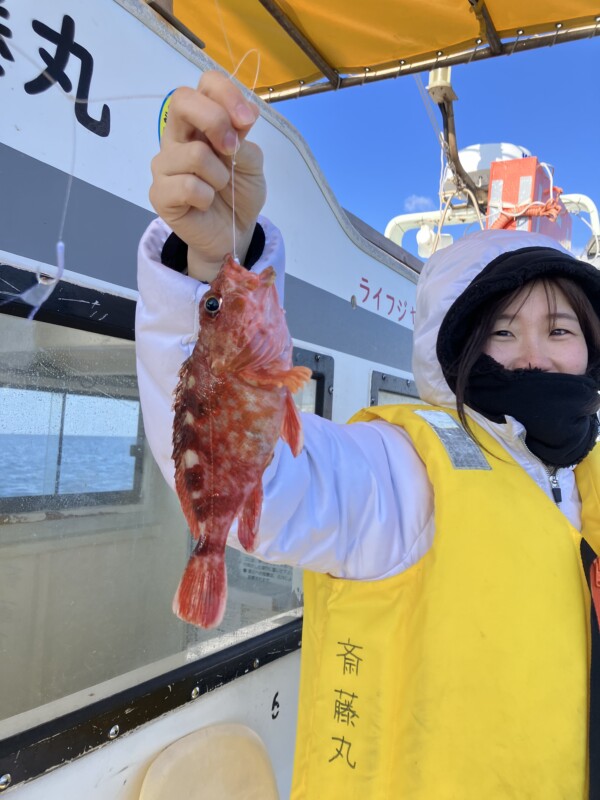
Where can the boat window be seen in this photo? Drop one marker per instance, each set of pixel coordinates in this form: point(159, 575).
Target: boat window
point(61, 449)
point(306, 397)
point(316, 396)
point(93, 542)
point(390, 389)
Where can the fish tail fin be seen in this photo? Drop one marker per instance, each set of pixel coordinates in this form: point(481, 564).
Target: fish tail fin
point(291, 427)
point(202, 593)
point(249, 519)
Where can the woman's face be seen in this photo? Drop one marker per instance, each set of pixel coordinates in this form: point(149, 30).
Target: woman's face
point(527, 334)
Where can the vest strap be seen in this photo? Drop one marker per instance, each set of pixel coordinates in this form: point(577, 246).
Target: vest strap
point(590, 568)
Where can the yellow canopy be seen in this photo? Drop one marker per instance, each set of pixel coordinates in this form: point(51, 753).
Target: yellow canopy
point(315, 45)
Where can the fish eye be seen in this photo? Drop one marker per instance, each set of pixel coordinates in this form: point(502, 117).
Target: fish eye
point(212, 304)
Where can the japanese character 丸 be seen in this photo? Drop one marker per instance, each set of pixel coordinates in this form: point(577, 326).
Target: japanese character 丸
point(55, 73)
point(343, 745)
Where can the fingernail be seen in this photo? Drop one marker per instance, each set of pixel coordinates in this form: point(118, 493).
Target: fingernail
point(244, 114)
point(230, 142)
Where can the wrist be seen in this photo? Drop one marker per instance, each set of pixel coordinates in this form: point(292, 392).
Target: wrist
point(176, 255)
point(201, 269)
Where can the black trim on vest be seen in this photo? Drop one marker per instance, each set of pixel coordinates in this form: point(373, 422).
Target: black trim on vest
point(587, 558)
point(174, 253)
point(257, 245)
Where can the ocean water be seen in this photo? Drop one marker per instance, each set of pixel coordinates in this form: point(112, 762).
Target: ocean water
point(29, 464)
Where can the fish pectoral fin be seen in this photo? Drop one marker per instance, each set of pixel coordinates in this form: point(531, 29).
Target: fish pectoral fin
point(249, 519)
point(296, 377)
point(291, 427)
point(293, 379)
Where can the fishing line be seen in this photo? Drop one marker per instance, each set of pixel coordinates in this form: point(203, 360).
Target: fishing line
point(237, 140)
point(209, 395)
point(224, 32)
point(36, 295)
point(237, 146)
point(444, 205)
point(429, 104)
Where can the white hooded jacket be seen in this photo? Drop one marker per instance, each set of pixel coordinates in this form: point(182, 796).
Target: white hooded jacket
point(357, 502)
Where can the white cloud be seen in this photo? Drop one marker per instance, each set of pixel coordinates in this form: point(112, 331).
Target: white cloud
point(417, 202)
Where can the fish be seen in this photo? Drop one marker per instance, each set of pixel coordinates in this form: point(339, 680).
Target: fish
point(232, 402)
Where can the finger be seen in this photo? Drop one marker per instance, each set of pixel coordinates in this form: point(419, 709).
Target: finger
point(173, 195)
point(193, 115)
point(249, 159)
point(216, 111)
point(242, 112)
point(197, 158)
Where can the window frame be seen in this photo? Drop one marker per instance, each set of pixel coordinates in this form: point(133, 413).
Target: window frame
point(404, 387)
point(35, 751)
point(322, 367)
point(69, 306)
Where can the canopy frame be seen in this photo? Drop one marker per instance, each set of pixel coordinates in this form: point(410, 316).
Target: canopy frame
point(480, 51)
point(303, 43)
point(489, 43)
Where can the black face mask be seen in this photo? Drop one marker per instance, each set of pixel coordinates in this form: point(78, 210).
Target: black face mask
point(556, 409)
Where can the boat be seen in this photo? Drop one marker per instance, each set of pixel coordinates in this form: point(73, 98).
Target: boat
point(104, 693)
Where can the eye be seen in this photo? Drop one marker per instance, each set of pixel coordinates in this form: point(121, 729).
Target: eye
point(212, 304)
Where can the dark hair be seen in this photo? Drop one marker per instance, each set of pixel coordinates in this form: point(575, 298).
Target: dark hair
point(588, 319)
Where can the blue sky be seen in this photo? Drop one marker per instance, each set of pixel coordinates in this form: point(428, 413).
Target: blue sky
point(378, 149)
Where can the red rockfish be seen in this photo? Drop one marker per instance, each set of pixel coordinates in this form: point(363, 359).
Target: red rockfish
point(232, 402)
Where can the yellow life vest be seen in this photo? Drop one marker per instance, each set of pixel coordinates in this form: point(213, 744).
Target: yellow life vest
point(466, 676)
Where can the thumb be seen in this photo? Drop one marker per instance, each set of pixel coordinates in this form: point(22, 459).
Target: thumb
point(248, 159)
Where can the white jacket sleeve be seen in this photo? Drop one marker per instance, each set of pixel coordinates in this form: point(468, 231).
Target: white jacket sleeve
point(356, 502)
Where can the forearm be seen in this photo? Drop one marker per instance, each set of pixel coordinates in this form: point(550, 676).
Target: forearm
point(356, 503)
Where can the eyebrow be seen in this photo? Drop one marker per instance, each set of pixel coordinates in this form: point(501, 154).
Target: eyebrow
point(559, 315)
